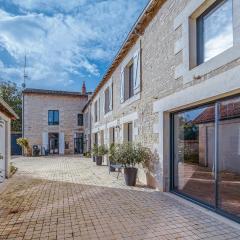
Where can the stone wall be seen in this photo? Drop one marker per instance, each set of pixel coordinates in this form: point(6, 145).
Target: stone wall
point(167, 85)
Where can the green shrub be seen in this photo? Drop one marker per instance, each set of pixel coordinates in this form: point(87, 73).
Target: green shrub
point(95, 150)
point(129, 154)
point(87, 154)
point(102, 150)
point(23, 142)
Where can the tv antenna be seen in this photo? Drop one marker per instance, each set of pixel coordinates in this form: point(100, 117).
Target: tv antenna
point(25, 76)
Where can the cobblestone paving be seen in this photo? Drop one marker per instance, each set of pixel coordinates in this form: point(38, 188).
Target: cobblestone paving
point(72, 198)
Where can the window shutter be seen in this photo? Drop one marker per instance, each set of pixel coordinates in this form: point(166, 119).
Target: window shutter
point(111, 97)
point(45, 140)
point(122, 86)
point(137, 71)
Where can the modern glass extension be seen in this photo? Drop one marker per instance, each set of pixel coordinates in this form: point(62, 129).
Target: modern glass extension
point(206, 155)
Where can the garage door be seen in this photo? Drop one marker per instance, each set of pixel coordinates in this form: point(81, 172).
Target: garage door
point(2, 150)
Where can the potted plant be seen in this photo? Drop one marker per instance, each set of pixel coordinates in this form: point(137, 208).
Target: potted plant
point(112, 157)
point(94, 152)
point(129, 155)
point(102, 150)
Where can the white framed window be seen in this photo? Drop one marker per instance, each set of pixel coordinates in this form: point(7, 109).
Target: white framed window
point(96, 111)
point(214, 30)
point(131, 77)
point(108, 99)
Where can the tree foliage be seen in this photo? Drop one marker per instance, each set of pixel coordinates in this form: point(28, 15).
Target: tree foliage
point(12, 95)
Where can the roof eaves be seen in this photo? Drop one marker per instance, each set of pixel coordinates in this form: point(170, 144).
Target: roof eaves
point(8, 109)
point(137, 29)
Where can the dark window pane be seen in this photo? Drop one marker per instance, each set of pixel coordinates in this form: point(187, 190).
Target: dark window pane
point(215, 31)
point(53, 117)
point(131, 80)
point(107, 109)
point(50, 117)
point(80, 119)
point(56, 117)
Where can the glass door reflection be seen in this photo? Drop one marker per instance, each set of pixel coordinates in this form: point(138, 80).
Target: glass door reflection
point(229, 156)
point(194, 149)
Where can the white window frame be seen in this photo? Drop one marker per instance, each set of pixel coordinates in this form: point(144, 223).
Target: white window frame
point(187, 21)
point(134, 57)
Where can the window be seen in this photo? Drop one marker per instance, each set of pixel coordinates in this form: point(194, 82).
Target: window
point(128, 132)
point(96, 111)
point(53, 117)
point(107, 105)
point(215, 30)
point(80, 119)
point(128, 90)
point(205, 155)
point(131, 77)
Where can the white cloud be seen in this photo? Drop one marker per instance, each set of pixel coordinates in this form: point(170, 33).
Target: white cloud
point(50, 5)
point(60, 46)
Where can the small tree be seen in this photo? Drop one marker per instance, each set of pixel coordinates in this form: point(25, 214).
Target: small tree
point(12, 95)
point(23, 142)
point(129, 154)
point(95, 150)
point(102, 150)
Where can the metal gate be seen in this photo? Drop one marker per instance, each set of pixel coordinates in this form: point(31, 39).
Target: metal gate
point(78, 145)
point(15, 148)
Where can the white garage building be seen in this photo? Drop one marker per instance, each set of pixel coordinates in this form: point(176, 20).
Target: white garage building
point(6, 116)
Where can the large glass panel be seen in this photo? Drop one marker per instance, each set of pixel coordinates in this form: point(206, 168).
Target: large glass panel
point(194, 146)
point(229, 156)
point(218, 29)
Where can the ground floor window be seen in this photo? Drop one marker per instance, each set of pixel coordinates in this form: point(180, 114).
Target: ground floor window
point(206, 155)
point(112, 135)
point(128, 132)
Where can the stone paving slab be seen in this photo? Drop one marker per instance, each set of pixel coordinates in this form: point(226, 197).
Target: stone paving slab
point(72, 198)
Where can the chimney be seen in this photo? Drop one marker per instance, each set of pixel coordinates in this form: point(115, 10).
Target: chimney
point(84, 88)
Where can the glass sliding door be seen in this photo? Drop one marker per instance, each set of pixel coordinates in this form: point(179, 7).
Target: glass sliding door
point(229, 156)
point(206, 155)
point(194, 173)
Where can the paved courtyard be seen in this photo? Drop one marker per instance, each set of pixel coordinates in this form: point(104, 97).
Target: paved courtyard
point(72, 198)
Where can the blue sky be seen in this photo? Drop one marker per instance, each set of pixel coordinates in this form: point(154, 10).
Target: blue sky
point(66, 41)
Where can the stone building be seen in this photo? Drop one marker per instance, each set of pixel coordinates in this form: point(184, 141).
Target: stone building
point(180, 58)
point(6, 116)
point(53, 120)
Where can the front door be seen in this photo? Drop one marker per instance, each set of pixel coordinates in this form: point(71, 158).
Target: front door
point(78, 143)
point(53, 141)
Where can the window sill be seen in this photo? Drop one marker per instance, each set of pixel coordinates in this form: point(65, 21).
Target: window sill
point(108, 114)
point(131, 100)
point(213, 64)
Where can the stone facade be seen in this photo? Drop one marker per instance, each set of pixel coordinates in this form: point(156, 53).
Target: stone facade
point(169, 83)
point(36, 127)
